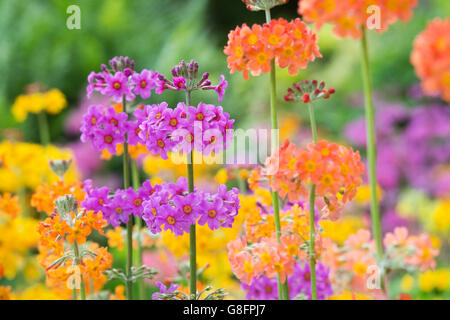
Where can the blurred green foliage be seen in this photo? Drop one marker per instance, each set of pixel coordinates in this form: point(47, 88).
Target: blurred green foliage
point(36, 46)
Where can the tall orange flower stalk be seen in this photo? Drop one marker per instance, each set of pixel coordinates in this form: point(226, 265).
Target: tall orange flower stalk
point(351, 18)
point(259, 49)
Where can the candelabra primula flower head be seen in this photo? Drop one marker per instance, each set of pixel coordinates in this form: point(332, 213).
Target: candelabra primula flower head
point(335, 170)
point(120, 79)
point(185, 78)
point(431, 58)
point(257, 5)
point(349, 16)
point(308, 91)
point(250, 50)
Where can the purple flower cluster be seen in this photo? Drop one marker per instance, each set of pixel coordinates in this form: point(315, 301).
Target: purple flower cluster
point(264, 288)
point(104, 127)
point(169, 206)
point(172, 207)
point(122, 80)
point(412, 145)
point(206, 128)
point(163, 289)
point(118, 206)
point(185, 78)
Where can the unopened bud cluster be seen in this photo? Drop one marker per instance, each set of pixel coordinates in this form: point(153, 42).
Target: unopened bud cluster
point(256, 5)
point(308, 91)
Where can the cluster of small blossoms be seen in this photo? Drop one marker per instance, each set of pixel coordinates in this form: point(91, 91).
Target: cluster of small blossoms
point(292, 45)
point(205, 128)
point(43, 200)
point(168, 206)
point(57, 233)
point(122, 80)
point(294, 219)
point(185, 78)
point(335, 170)
point(431, 58)
point(172, 207)
point(357, 255)
point(265, 288)
point(349, 16)
point(308, 91)
point(256, 5)
point(36, 100)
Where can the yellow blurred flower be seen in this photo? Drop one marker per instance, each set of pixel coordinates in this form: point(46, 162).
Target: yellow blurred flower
point(363, 194)
point(341, 229)
point(221, 176)
point(52, 101)
point(407, 283)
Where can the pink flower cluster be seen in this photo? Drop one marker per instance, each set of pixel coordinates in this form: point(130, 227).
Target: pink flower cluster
point(122, 80)
point(168, 205)
point(118, 206)
point(205, 128)
point(172, 207)
point(185, 79)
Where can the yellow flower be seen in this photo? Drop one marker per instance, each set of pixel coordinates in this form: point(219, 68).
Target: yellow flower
point(55, 101)
point(221, 176)
point(426, 281)
point(340, 230)
point(363, 194)
point(407, 283)
point(441, 216)
point(348, 295)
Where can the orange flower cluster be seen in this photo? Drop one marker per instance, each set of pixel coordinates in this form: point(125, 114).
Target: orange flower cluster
point(424, 251)
point(349, 16)
point(431, 58)
point(267, 257)
point(56, 234)
point(9, 205)
point(335, 170)
point(292, 45)
point(44, 197)
point(357, 256)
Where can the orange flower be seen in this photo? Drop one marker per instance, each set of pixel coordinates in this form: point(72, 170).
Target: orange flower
point(292, 44)
point(44, 197)
point(78, 232)
point(9, 205)
point(431, 58)
point(4, 293)
point(349, 16)
point(115, 238)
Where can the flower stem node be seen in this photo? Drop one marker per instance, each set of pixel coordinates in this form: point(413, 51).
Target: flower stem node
point(60, 167)
point(66, 204)
point(308, 91)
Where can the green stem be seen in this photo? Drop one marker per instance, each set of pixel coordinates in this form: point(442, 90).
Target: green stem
point(126, 185)
point(136, 184)
point(371, 147)
point(192, 229)
point(44, 133)
point(312, 227)
point(274, 138)
point(76, 252)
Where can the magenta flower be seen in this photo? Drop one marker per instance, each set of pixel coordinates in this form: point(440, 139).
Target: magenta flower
point(91, 121)
point(107, 138)
point(164, 289)
point(220, 88)
point(172, 219)
point(188, 205)
point(117, 86)
point(118, 120)
point(179, 83)
point(144, 82)
point(135, 200)
point(212, 213)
